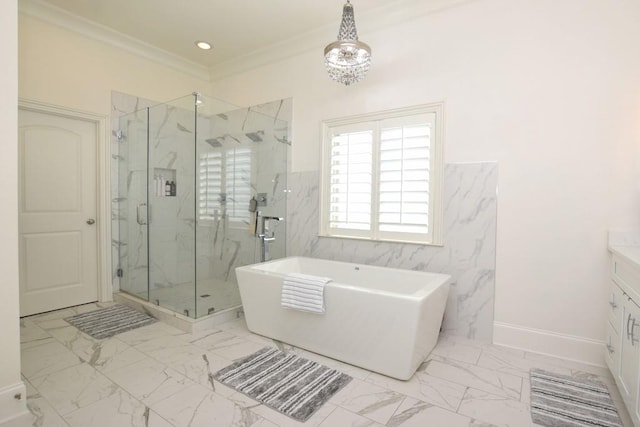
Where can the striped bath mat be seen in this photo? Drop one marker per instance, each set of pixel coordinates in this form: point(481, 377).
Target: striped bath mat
point(560, 400)
point(289, 384)
point(109, 321)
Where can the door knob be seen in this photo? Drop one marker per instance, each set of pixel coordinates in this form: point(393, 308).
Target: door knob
point(91, 221)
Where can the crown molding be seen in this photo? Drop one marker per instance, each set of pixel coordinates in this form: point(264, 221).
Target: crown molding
point(62, 18)
point(380, 18)
point(386, 16)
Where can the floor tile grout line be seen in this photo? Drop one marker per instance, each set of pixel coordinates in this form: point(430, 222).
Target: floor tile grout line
point(167, 366)
point(164, 365)
point(453, 364)
point(123, 390)
point(432, 403)
point(48, 403)
point(56, 371)
point(466, 390)
point(398, 408)
point(102, 342)
point(88, 385)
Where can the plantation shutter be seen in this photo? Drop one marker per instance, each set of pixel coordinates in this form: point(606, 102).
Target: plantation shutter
point(225, 182)
point(404, 180)
point(238, 184)
point(382, 176)
point(210, 185)
point(350, 175)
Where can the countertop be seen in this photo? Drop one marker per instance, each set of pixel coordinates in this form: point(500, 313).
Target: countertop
point(629, 253)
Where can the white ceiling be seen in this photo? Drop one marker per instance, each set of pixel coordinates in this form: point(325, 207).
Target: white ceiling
point(245, 33)
point(235, 28)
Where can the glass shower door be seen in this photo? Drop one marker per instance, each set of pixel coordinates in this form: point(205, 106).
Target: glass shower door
point(132, 203)
point(242, 169)
point(171, 181)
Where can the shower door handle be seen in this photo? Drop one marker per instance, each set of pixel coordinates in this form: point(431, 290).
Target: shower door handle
point(142, 214)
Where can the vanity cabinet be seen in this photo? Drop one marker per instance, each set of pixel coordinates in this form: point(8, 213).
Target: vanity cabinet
point(622, 353)
point(629, 353)
point(612, 341)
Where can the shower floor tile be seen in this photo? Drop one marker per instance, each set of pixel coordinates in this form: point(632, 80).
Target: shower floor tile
point(160, 376)
point(210, 296)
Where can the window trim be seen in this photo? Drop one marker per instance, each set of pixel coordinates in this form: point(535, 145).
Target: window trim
point(436, 199)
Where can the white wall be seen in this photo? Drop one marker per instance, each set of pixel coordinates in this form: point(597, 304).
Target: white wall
point(10, 381)
point(549, 89)
point(62, 67)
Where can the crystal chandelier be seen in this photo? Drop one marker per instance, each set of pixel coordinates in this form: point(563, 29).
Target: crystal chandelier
point(347, 59)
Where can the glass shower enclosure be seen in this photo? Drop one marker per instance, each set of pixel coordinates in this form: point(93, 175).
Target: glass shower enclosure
point(197, 178)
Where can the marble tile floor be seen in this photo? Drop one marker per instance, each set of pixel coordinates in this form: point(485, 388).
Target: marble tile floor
point(159, 376)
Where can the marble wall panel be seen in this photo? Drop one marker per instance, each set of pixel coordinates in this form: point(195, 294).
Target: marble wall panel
point(233, 244)
point(468, 254)
point(171, 227)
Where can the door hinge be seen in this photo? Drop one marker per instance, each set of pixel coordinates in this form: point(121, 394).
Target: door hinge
point(119, 272)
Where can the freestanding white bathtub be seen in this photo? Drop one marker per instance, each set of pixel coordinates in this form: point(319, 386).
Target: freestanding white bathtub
point(382, 319)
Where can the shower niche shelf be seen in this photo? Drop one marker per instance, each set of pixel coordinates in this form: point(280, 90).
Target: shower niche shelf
point(164, 182)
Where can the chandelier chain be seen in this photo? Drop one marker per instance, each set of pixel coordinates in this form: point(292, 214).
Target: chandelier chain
point(348, 25)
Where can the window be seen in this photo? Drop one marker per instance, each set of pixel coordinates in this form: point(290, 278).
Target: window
point(210, 200)
point(225, 185)
point(382, 176)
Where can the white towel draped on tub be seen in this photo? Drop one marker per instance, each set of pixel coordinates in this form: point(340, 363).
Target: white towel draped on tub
point(304, 292)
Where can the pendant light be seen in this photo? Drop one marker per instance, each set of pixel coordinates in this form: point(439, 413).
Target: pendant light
point(347, 59)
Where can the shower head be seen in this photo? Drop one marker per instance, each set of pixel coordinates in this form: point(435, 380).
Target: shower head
point(214, 142)
point(255, 136)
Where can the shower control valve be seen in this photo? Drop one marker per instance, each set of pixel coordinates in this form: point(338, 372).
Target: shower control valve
point(263, 231)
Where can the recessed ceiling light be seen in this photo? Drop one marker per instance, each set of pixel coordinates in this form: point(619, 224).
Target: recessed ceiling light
point(203, 45)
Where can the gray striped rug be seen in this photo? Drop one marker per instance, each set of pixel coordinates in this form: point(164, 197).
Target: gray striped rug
point(292, 385)
point(107, 322)
point(564, 401)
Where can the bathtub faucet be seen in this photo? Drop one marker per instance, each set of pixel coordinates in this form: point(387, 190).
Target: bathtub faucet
point(265, 235)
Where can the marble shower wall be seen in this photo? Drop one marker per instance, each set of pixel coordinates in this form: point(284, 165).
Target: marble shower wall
point(224, 245)
point(468, 254)
point(172, 218)
point(181, 244)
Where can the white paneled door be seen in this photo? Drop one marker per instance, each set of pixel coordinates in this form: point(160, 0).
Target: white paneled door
point(58, 206)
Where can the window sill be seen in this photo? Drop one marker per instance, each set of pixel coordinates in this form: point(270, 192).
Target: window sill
point(397, 241)
point(230, 225)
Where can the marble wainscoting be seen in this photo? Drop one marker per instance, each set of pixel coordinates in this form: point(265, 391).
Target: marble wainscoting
point(468, 254)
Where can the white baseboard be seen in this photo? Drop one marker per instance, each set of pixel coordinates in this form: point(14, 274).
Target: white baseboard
point(578, 349)
point(13, 404)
